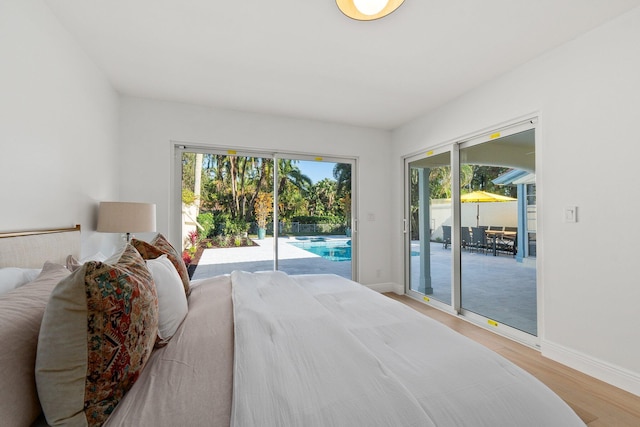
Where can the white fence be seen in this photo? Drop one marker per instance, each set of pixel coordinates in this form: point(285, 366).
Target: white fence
point(297, 228)
point(472, 215)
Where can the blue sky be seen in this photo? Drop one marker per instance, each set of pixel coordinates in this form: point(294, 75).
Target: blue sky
point(317, 171)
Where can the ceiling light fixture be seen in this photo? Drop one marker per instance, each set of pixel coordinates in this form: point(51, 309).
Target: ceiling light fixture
point(368, 10)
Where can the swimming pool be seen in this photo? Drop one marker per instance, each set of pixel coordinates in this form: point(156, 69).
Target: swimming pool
point(333, 250)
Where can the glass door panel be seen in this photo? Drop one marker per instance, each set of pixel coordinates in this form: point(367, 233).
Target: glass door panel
point(430, 219)
point(497, 230)
point(314, 217)
point(224, 198)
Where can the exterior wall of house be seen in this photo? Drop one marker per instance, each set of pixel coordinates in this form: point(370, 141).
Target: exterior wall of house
point(58, 126)
point(586, 94)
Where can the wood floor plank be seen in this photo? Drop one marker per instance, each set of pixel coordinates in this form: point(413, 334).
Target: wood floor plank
point(597, 403)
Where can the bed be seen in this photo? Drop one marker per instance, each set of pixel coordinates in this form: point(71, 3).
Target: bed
point(269, 349)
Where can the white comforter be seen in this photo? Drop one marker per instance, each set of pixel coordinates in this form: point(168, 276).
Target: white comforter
point(320, 350)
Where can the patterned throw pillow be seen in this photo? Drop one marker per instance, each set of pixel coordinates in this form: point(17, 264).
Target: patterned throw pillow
point(98, 331)
point(161, 246)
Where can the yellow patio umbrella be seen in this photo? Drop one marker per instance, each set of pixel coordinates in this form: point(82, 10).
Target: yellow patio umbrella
point(483, 197)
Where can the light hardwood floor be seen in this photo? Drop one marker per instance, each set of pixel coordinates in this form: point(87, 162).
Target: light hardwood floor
point(597, 403)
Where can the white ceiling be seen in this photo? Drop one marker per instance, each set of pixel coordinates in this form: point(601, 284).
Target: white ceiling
point(303, 58)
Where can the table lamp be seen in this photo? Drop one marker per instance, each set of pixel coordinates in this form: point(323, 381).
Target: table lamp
point(126, 217)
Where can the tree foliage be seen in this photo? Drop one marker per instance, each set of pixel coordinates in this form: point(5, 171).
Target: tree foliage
point(263, 208)
point(231, 185)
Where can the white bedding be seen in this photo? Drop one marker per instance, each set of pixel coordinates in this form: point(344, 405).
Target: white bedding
point(321, 350)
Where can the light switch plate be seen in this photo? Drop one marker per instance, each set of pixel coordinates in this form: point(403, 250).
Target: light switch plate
point(571, 214)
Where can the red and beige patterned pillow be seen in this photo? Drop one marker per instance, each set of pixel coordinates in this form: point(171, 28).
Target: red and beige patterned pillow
point(161, 246)
point(97, 333)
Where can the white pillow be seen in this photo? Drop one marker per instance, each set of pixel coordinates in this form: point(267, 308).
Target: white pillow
point(172, 301)
point(14, 277)
point(73, 264)
point(98, 256)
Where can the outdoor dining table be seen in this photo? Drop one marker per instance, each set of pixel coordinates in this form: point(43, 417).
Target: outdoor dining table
point(494, 234)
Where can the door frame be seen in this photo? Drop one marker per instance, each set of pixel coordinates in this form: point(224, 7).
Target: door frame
point(175, 197)
point(455, 308)
point(452, 150)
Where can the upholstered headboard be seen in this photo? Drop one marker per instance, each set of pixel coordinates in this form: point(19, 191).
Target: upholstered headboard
point(30, 249)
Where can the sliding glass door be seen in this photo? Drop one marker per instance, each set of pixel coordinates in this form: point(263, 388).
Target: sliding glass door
point(498, 276)
point(260, 211)
point(226, 203)
point(315, 208)
point(428, 227)
point(471, 229)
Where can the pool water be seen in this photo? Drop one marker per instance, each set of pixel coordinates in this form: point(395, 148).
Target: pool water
point(333, 250)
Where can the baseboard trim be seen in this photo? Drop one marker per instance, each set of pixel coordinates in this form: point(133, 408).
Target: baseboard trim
point(382, 287)
point(611, 374)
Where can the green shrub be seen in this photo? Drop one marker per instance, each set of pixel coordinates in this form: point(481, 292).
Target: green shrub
point(188, 197)
point(235, 227)
point(221, 241)
point(220, 218)
point(326, 219)
point(207, 222)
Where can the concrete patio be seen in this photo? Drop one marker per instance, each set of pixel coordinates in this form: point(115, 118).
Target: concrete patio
point(292, 260)
point(496, 287)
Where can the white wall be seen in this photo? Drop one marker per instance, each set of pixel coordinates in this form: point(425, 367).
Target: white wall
point(58, 126)
point(148, 127)
point(587, 95)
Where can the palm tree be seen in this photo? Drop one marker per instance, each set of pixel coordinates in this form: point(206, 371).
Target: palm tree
point(293, 188)
point(289, 172)
point(322, 200)
point(342, 174)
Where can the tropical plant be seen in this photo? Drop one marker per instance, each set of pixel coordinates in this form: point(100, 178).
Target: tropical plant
point(315, 219)
point(188, 197)
point(193, 238)
point(323, 197)
point(293, 189)
point(346, 207)
point(186, 257)
point(342, 174)
point(207, 223)
point(482, 179)
point(263, 207)
point(230, 187)
point(221, 241)
point(235, 227)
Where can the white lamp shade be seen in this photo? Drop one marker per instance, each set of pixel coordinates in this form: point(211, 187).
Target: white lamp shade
point(126, 217)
